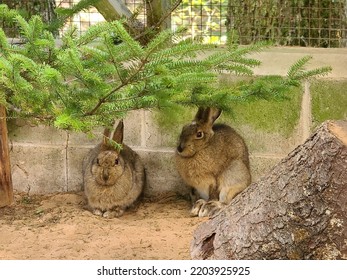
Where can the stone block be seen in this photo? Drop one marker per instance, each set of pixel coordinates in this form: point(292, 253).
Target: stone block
point(260, 142)
point(133, 128)
point(38, 169)
point(75, 156)
point(132, 132)
point(21, 131)
point(155, 136)
point(46, 160)
point(162, 176)
point(79, 139)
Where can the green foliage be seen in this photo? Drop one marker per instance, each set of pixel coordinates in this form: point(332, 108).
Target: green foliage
point(264, 103)
point(63, 14)
point(89, 81)
point(6, 14)
point(297, 72)
point(78, 7)
point(288, 22)
point(271, 105)
point(329, 101)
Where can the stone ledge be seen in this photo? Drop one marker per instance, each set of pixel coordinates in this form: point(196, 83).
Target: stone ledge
point(50, 169)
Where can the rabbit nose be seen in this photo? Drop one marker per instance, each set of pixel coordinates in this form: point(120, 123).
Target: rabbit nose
point(180, 148)
point(105, 175)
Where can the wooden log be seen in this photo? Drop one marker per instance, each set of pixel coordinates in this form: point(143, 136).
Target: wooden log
point(297, 211)
point(6, 188)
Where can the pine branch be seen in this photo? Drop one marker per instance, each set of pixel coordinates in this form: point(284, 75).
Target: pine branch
point(125, 37)
point(23, 25)
point(89, 80)
point(94, 32)
point(158, 42)
point(184, 49)
point(63, 14)
point(8, 15)
point(4, 45)
point(123, 84)
point(298, 66)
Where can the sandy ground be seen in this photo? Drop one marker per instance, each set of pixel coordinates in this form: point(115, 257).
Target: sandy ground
point(59, 227)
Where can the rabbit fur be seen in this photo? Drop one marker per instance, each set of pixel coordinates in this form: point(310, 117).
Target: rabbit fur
point(213, 160)
point(113, 180)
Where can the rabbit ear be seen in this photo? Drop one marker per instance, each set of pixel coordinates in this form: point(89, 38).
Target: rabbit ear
point(214, 114)
point(106, 137)
point(200, 115)
point(118, 134)
point(207, 115)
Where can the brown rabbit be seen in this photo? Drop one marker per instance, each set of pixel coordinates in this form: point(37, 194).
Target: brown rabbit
point(113, 179)
point(213, 160)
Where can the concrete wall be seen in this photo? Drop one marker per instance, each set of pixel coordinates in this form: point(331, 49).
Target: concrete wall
point(45, 160)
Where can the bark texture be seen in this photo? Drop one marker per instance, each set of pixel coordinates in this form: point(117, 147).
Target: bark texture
point(6, 188)
point(297, 211)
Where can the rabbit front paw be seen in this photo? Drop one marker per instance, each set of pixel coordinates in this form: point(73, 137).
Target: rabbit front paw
point(108, 214)
point(211, 208)
point(114, 213)
point(97, 212)
point(197, 207)
point(202, 208)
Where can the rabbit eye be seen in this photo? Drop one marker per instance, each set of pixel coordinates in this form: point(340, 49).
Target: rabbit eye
point(199, 134)
point(97, 161)
point(116, 161)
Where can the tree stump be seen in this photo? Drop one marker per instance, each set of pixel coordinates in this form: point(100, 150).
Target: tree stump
point(297, 211)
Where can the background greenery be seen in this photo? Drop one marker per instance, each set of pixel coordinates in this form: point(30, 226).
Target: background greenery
point(329, 101)
point(276, 115)
point(263, 108)
point(315, 23)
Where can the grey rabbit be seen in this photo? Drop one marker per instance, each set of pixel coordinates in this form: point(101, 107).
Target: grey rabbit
point(113, 179)
point(213, 160)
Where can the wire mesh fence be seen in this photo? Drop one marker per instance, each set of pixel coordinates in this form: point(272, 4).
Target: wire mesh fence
point(314, 23)
point(83, 20)
point(204, 20)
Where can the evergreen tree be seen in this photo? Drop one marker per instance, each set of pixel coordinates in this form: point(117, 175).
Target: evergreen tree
point(87, 81)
